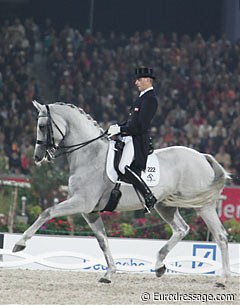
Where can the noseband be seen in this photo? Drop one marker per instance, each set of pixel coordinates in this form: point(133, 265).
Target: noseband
point(50, 144)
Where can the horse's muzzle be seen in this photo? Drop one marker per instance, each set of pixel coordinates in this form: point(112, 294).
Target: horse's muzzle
point(37, 158)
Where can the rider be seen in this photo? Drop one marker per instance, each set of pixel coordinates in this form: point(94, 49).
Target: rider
point(135, 134)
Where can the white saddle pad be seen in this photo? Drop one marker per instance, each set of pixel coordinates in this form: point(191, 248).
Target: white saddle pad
point(151, 175)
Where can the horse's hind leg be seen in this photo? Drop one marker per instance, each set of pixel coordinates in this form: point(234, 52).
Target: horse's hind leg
point(96, 224)
point(210, 217)
point(179, 229)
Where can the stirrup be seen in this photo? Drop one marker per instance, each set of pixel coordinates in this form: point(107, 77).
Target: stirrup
point(146, 210)
point(150, 201)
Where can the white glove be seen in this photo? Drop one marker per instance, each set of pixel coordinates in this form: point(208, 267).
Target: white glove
point(113, 130)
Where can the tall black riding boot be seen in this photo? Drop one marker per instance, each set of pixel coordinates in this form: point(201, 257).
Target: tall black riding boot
point(141, 186)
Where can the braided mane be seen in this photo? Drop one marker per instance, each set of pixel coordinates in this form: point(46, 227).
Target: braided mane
point(88, 116)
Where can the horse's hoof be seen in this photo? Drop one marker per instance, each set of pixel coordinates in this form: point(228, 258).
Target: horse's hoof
point(219, 285)
point(18, 248)
point(104, 280)
point(160, 271)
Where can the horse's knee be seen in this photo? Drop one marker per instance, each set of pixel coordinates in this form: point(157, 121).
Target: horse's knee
point(182, 231)
point(46, 213)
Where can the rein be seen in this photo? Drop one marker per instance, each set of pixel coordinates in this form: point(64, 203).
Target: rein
point(79, 145)
point(50, 142)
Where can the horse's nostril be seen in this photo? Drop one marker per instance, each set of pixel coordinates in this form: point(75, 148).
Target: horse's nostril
point(36, 158)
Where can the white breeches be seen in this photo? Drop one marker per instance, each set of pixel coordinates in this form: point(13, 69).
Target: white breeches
point(128, 154)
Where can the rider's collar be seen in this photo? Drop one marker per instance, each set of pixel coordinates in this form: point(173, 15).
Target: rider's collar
point(146, 90)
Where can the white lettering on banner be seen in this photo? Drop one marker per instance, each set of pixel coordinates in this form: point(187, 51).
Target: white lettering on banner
point(63, 253)
point(229, 205)
point(229, 210)
point(15, 181)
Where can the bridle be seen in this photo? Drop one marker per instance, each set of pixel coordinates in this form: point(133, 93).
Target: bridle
point(50, 141)
point(50, 144)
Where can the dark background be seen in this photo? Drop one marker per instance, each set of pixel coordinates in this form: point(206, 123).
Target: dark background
point(181, 16)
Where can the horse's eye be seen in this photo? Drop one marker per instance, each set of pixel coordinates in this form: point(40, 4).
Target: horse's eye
point(41, 127)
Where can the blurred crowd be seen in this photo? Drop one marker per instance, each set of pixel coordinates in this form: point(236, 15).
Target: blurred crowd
point(17, 89)
point(197, 83)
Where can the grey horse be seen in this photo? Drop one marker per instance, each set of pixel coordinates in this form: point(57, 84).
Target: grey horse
point(189, 179)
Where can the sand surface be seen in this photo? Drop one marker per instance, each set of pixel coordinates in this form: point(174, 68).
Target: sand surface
point(82, 288)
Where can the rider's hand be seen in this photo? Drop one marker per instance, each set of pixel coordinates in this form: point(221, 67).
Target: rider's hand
point(113, 130)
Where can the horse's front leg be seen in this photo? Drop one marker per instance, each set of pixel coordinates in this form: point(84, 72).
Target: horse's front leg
point(96, 224)
point(65, 208)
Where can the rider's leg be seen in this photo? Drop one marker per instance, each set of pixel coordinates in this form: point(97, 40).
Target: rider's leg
point(127, 155)
point(142, 187)
point(134, 174)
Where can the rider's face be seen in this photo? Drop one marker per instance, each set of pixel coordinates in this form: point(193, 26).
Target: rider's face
point(143, 83)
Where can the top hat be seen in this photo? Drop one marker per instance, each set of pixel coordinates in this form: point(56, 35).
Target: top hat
point(144, 72)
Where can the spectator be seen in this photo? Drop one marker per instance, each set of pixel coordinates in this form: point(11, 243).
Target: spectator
point(219, 130)
point(223, 158)
point(198, 88)
point(14, 160)
point(204, 129)
point(191, 129)
point(4, 162)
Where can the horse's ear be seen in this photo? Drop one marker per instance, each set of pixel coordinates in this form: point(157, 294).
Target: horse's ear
point(37, 105)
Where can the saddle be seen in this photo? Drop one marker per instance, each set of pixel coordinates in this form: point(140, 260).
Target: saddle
point(151, 175)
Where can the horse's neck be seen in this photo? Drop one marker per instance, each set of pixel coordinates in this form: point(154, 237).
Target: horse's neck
point(89, 159)
point(93, 154)
point(81, 127)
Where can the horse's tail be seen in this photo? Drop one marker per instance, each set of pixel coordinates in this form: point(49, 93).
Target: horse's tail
point(221, 174)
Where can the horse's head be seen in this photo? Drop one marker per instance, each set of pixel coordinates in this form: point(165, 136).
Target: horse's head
point(50, 132)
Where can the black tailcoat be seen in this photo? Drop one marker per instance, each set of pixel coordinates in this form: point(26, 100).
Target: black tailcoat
point(137, 126)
